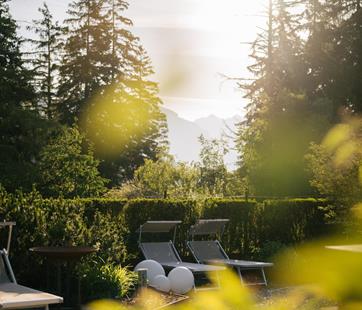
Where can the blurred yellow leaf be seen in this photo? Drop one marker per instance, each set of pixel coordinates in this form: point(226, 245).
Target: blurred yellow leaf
point(357, 210)
point(113, 119)
point(352, 306)
point(331, 273)
point(344, 153)
point(105, 305)
point(336, 136)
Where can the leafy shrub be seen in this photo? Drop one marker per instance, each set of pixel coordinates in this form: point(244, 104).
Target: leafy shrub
point(100, 280)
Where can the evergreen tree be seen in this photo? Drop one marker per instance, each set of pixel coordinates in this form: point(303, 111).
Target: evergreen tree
point(15, 90)
point(141, 125)
point(275, 99)
point(333, 55)
point(121, 39)
point(301, 87)
point(82, 70)
point(46, 61)
point(344, 70)
point(21, 129)
point(105, 82)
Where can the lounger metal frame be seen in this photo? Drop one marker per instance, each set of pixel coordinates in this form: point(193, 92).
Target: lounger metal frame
point(4, 256)
point(10, 226)
point(219, 229)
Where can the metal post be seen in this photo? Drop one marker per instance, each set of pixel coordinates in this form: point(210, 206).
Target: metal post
point(221, 249)
point(140, 234)
point(9, 238)
point(264, 277)
point(142, 277)
point(193, 252)
point(174, 234)
point(192, 232)
point(241, 277)
point(8, 265)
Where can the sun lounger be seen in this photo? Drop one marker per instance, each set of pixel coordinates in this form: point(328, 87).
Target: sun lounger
point(15, 296)
point(165, 252)
point(211, 251)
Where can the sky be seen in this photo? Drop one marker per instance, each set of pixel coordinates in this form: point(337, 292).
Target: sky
point(193, 45)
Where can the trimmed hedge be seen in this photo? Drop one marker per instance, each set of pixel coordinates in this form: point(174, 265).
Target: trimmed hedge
point(241, 230)
point(292, 220)
point(111, 224)
point(253, 224)
point(47, 222)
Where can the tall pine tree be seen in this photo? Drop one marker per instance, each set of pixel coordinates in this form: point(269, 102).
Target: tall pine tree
point(105, 82)
point(271, 141)
point(82, 70)
point(45, 61)
point(21, 128)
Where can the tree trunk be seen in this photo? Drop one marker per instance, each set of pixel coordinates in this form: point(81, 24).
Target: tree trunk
point(86, 82)
point(49, 79)
point(269, 74)
point(113, 42)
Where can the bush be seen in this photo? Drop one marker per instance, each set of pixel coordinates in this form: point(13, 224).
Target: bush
point(100, 280)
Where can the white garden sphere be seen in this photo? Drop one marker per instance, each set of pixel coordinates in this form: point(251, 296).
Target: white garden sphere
point(153, 269)
point(181, 280)
point(162, 283)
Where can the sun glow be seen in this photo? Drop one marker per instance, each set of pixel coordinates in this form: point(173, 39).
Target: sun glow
point(193, 43)
point(231, 15)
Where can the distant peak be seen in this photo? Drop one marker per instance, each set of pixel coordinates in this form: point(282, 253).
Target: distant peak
point(210, 117)
point(168, 111)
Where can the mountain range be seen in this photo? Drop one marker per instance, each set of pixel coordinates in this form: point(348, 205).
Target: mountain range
point(183, 135)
